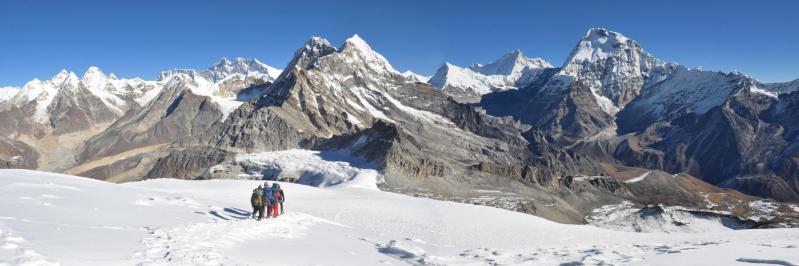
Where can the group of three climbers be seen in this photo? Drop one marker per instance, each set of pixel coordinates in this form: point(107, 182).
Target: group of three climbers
point(269, 198)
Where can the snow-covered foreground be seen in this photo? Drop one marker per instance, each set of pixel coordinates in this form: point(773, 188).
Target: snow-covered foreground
point(56, 218)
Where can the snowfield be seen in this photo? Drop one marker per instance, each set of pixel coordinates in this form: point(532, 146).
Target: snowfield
point(52, 219)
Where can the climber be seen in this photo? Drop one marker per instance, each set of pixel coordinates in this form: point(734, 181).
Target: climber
point(257, 201)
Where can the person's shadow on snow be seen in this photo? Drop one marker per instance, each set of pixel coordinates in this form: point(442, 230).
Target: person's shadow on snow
point(237, 213)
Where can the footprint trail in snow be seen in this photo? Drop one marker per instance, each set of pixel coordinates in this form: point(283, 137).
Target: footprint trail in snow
point(204, 243)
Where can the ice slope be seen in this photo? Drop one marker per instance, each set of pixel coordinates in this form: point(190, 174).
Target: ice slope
point(314, 168)
point(56, 218)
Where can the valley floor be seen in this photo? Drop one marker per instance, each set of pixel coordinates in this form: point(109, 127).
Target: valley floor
point(48, 218)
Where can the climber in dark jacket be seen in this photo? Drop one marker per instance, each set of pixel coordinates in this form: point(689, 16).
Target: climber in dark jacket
point(257, 201)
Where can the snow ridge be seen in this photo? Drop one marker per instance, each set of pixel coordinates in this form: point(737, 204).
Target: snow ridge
point(226, 68)
point(783, 87)
point(7, 93)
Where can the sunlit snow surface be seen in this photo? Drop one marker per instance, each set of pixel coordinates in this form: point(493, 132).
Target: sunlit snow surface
point(56, 218)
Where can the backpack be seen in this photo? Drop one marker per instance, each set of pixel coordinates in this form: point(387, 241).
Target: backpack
point(270, 195)
point(280, 195)
point(257, 199)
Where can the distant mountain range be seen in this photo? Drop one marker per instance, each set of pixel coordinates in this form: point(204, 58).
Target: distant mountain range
point(611, 124)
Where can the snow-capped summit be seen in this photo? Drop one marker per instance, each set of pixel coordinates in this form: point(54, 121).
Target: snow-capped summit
point(357, 46)
point(413, 77)
point(613, 66)
point(463, 83)
point(94, 77)
point(510, 64)
point(316, 43)
point(43, 92)
point(93, 71)
point(306, 55)
point(469, 84)
point(357, 42)
point(63, 76)
point(600, 43)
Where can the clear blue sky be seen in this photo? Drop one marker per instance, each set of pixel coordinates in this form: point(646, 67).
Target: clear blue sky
point(140, 38)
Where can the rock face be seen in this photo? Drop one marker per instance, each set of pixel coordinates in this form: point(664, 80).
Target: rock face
point(617, 104)
point(614, 67)
point(558, 142)
point(17, 154)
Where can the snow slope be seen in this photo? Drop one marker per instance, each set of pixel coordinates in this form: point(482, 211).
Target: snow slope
point(55, 218)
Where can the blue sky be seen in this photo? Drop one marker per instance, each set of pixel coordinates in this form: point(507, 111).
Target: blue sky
point(141, 38)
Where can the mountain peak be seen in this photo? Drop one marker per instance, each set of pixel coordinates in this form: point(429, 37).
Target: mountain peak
point(317, 43)
point(63, 76)
point(599, 43)
point(602, 50)
point(312, 49)
point(511, 63)
point(602, 33)
point(357, 46)
point(409, 75)
point(357, 42)
point(93, 72)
